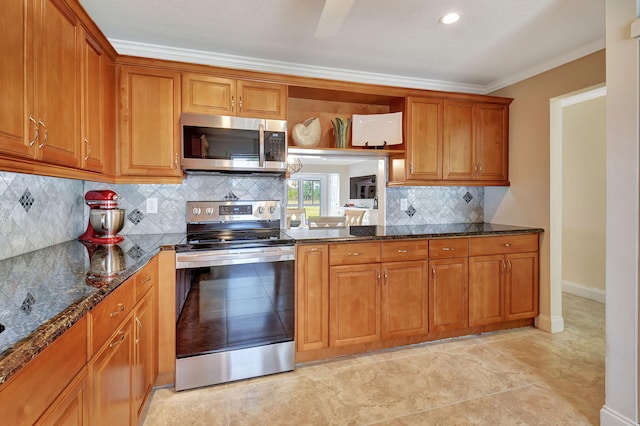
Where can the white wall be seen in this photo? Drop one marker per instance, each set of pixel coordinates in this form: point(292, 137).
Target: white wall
point(623, 110)
point(584, 197)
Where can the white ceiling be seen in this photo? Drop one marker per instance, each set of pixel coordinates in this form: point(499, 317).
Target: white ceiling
point(394, 42)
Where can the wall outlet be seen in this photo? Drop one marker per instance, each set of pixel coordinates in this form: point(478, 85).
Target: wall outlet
point(152, 205)
point(403, 204)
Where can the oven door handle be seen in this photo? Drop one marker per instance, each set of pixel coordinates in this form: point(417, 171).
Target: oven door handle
point(261, 142)
point(232, 257)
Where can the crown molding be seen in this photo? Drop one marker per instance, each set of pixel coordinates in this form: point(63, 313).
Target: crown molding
point(546, 66)
point(152, 51)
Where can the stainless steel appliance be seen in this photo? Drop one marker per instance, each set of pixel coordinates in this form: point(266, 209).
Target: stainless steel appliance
point(105, 218)
point(234, 294)
point(233, 144)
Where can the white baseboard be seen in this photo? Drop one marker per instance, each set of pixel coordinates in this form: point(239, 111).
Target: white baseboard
point(584, 291)
point(549, 324)
point(609, 417)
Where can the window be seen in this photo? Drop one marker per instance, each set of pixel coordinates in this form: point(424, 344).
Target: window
point(307, 192)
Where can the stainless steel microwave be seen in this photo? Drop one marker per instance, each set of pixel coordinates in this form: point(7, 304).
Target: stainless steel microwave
point(233, 144)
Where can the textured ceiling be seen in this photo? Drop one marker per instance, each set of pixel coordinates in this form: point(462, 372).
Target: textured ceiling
point(496, 42)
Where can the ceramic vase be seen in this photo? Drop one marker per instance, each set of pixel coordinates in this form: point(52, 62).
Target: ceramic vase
point(341, 131)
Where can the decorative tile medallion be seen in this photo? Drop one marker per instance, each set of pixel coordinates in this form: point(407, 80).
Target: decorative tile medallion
point(411, 211)
point(27, 200)
point(467, 197)
point(27, 303)
point(135, 216)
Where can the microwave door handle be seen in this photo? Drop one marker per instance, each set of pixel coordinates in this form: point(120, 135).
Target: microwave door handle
point(261, 142)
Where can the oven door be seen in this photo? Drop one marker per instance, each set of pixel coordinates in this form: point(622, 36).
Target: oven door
point(235, 315)
point(227, 143)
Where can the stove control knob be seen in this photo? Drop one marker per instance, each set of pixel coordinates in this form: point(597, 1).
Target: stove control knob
point(209, 211)
point(272, 209)
point(196, 211)
point(260, 209)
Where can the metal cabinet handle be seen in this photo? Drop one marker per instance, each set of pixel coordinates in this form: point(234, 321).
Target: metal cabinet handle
point(433, 272)
point(411, 168)
point(448, 249)
point(175, 161)
point(145, 279)
point(240, 105)
point(86, 141)
point(314, 249)
point(117, 342)
point(46, 134)
point(507, 245)
point(404, 251)
point(120, 310)
point(37, 133)
point(475, 169)
point(504, 266)
point(233, 104)
point(509, 266)
point(355, 253)
point(139, 328)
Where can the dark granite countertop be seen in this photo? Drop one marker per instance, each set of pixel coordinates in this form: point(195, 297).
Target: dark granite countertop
point(359, 233)
point(45, 292)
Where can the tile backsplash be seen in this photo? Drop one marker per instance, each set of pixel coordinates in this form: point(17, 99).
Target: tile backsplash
point(435, 204)
point(38, 211)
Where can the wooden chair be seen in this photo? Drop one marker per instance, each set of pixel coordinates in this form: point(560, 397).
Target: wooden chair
point(354, 217)
point(296, 216)
point(327, 222)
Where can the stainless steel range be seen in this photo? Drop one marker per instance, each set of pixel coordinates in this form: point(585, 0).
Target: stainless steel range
point(234, 294)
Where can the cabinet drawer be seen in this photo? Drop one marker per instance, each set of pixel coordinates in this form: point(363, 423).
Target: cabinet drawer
point(353, 253)
point(503, 244)
point(110, 313)
point(448, 248)
point(145, 278)
point(397, 251)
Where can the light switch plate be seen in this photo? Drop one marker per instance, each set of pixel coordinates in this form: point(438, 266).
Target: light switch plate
point(403, 204)
point(152, 205)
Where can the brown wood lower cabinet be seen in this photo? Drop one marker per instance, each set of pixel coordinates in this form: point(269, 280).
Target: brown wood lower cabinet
point(354, 304)
point(111, 379)
point(404, 299)
point(381, 294)
point(448, 289)
point(312, 297)
point(72, 406)
point(144, 352)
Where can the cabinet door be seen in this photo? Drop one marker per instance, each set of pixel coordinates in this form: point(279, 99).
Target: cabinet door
point(521, 286)
point(262, 100)
point(491, 146)
point(205, 94)
point(448, 294)
point(149, 122)
point(57, 94)
point(354, 304)
point(404, 299)
point(458, 161)
point(424, 139)
point(92, 130)
point(144, 350)
point(111, 379)
point(72, 406)
point(486, 289)
point(16, 130)
point(312, 293)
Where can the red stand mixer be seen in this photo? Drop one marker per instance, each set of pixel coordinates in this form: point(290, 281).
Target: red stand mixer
point(105, 218)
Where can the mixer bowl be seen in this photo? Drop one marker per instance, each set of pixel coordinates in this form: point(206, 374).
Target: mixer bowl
point(106, 223)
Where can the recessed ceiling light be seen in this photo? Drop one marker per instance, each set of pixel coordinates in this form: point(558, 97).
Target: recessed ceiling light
point(450, 18)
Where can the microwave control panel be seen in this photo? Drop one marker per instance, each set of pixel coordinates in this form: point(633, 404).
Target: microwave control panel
point(275, 146)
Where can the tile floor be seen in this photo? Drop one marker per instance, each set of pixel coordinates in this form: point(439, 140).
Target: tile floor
point(517, 377)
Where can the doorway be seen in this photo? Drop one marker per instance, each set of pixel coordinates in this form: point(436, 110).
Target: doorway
point(561, 192)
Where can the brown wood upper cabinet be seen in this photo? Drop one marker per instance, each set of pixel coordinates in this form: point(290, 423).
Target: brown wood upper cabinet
point(149, 123)
point(424, 134)
point(476, 142)
point(39, 82)
point(206, 94)
point(460, 142)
